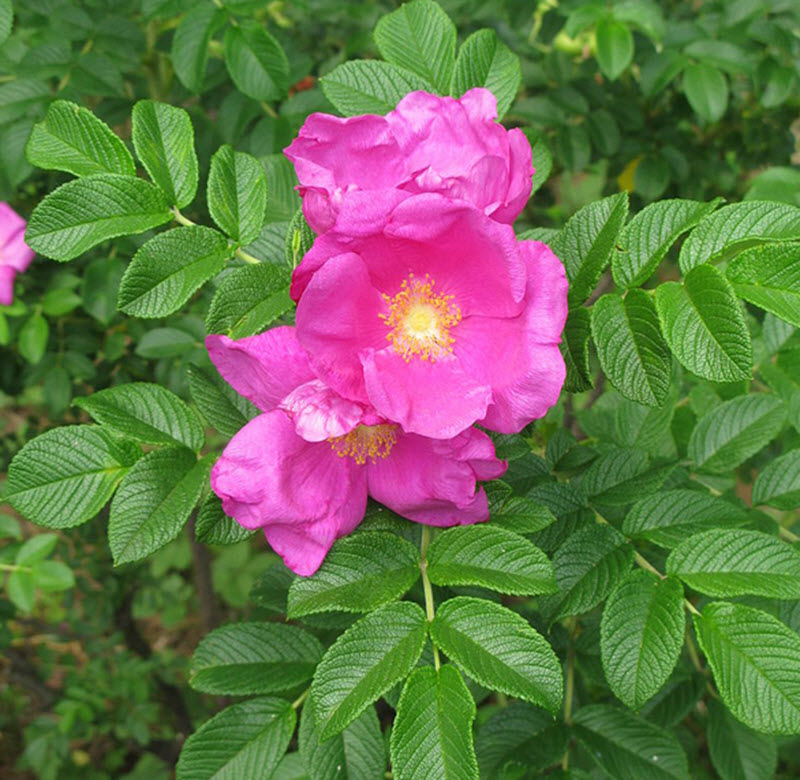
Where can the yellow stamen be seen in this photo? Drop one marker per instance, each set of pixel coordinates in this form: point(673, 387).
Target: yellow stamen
point(420, 320)
point(365, 441)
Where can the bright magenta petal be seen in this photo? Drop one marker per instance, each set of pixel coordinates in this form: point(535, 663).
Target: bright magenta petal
point(302, 494)
point(434, 481)
point(338, 318)
point(432, 399)
point(263, 368)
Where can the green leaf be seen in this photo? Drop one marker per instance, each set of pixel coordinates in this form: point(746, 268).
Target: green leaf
point(490, 557)
point(575, 351)
point(244, 658)
point(737, 226)
point(641, 635)
point(756, 663)
point(166, 342)
point(730, 433)
point(249, 300)
point(213, 526)
point(36, 549)
point(65, 476)
point(499, 650)
point(154, 502)
point(221, 406)
point(737, 562)
point(588, 566)
point(359, 574)
point(614, 47)
point(145, 412)
point(630, 347)
point(521, 515)
point(170, 268)
point(421, 37)
point(703, 324)
point(736, 752)
point(626, 747)
point(6, 19)
point(667, 518)
point(53, 576)
point(646, 239)
point(190, 44)
point(769, 277)
point(617, 476)
point(21, 589)
point(299, 239)
point(245, 740)
point(357, 753)
point(542, 159)
point(256, 61)
point(85, 212)
point(369, 86)
point(706, 89)
point(366, 661)
point(432, 733)
point(163, 137)
point(586, 242)
point(485, 61)
point(71, 138)
point(778, 484)
point(19, 96)
point(237, 194)
point(33, 337)
point(777, 83)
point(519, 735)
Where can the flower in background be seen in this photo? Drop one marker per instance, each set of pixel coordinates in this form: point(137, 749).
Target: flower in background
point(427, 144)
point(435, 315)
point(302, 470)
point(15, 255)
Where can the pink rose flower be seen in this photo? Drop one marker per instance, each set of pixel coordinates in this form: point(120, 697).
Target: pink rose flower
point(302, 470)
point(427, 144)
point(15, 256)
point(433, 314)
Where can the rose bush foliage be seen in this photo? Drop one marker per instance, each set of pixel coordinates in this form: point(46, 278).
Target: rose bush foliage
point(628, 610)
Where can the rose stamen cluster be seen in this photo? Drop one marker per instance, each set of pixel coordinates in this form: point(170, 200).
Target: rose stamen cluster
point(419, 315)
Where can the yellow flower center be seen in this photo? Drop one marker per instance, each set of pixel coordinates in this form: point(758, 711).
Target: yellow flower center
point(365, 441)
point(420, 320)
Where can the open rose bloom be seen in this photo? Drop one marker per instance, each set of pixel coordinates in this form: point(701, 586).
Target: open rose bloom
point(419, 314)
point(15, 256)
point(427, 144)
point(302, 470)
point(434, 314)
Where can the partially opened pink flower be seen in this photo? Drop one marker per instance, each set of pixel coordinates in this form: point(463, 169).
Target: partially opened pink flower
point(427, 144)
point(302, 470)
point(15, 256)
point(433, 314)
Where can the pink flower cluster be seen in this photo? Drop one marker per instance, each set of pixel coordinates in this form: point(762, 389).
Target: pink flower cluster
point(15, 256)
point(419, 314)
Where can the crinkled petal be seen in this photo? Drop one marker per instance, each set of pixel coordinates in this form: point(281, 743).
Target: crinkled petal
point(263, 368)
point(320, 413)
point(302, 494)
point(437, 399)
point(520, 178)
point(337, 318)
point(434, 481)
point(519, 358)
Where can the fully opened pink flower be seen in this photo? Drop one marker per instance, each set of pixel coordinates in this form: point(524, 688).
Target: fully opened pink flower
point(427, 144)
point(433, 314)
point(302, 469)
point(15, 256)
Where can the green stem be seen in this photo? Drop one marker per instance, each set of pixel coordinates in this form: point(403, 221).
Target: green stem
point(300, 699)
point(186, 222)
point(645, 564)
point(14, 567)
point(426, 587)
